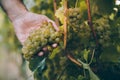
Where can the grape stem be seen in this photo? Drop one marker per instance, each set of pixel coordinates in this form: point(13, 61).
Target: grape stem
point(55, 8)
point(92, 57)
point(74, 60)
point(76, 4)
point(65, 23)
point(90, 21)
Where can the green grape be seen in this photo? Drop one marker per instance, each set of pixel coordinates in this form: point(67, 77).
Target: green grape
point(49, 48)
point(78, 16)
point(74, 16)
point(103, 31)
point(57, 40)
point(39, 38)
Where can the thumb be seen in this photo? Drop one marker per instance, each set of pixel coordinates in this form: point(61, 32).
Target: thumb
point(54, 25)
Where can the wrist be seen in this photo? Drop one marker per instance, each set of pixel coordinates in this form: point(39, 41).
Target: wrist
point(14, 8)
point(16, 16)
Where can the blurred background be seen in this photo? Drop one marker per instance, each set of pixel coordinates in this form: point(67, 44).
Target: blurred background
point(10, 53)
point(12, 64)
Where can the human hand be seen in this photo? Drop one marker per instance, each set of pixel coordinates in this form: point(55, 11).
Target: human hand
point(24, 24)
point(23, 20)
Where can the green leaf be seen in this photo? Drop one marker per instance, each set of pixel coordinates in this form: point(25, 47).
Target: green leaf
point(118, 48)
point(42, 64)
point(93, 76)
point(85, 54)
point(112, 16)
point(54, 52)
point(60, 14)
point(38, 72)
point(83, 6)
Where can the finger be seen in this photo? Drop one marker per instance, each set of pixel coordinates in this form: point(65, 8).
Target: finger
point(54, 45)
point(54, 25)
point(45, 49)
point(41, 53)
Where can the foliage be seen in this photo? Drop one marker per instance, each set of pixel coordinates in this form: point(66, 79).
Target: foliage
point(44, 7)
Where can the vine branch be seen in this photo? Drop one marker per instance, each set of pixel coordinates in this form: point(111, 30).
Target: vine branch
point(65, 23)
point(55, 8)
point(74, 60)
point(90, 21)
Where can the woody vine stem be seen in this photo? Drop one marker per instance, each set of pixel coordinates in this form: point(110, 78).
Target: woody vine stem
point(65, 23)
point(70, 57)
point(91, 26)
point(55, 8)
point(90, 21)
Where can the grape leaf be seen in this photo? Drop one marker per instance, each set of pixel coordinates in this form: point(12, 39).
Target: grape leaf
point(85, 54)
point(93, 76)
point(118, 48)
point(54, 52)
point(60, 14)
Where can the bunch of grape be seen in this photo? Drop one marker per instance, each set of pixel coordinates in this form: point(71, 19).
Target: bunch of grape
point(103, 31)
point(78, 32)
point(75, 26)
point(74, 18)
point(43, 36)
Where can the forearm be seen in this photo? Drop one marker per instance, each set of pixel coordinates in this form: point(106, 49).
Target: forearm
point(13, 8)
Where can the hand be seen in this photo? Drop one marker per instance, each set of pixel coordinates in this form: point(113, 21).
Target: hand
point(29, 21)
point(23, 20)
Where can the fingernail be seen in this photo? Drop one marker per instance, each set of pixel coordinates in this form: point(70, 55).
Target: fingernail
point(40, 53)
point(45, 49)
point(54, 45)
point(54, 25)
